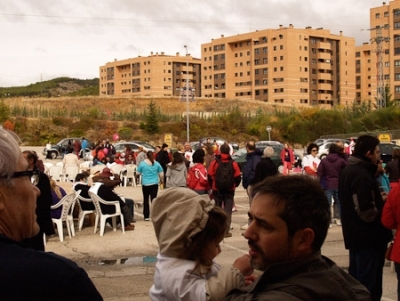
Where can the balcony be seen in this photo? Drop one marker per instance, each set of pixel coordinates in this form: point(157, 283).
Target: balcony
point(324, 55)
point(324, 76)
point(324, 86)
point(324, 66)
point(324, 45)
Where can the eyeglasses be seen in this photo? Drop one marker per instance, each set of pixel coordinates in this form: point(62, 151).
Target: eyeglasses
point(314, 150)
point(33, 175)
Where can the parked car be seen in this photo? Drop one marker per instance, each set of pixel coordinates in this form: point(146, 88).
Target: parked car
point(59, 149)
point(119, 147)
point(240, 155)
point(386, 150)
point(322, 141)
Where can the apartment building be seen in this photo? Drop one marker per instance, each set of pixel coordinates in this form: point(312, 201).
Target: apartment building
point(287, 66)
point(382, 54)
point(155, 75)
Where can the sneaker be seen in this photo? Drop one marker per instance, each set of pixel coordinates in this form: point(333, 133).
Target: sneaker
point(146, 219)
point(338, 222)
point(244, 227)
point(234, 209)
point(129, 228)
point(229, 234)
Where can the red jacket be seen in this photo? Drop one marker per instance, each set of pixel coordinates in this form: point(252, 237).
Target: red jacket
point(391, 219)
point(291, 155)
point(213, 169)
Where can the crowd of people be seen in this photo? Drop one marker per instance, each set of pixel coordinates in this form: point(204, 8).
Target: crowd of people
point(289, 218)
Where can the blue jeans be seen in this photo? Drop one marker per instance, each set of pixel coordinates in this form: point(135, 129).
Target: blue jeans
point(333, 193)
point(366, 265)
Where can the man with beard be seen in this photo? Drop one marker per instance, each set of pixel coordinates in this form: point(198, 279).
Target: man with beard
point(289, 221)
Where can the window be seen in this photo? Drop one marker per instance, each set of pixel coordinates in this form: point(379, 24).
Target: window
point(281, 68)
point(377, 15)
point(281, 47)
point(397, 89)
point(387, 64)
point(256, 51)
point(281, 57)
point(265, 60)
point(265, 82)
point(396, 25)
point(257, 71)
point(396, 38)
point(274, 48)
point(396, 12)
point(265, 49)
point(397, 76)
point(256, 62)
point(397, 63)
point(397, 51)
point(265, 71)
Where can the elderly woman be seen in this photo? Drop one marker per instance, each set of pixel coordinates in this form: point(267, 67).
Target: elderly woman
point(265, 168)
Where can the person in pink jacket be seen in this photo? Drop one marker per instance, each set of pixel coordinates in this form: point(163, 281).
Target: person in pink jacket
point(391, 220)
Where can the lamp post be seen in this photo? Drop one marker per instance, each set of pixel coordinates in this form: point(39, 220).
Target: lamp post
point(269, 129)
point(187, 95)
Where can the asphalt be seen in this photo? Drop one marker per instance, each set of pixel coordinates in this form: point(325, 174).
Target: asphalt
point(122, 265)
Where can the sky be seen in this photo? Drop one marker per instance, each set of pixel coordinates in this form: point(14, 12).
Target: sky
point(44, 39)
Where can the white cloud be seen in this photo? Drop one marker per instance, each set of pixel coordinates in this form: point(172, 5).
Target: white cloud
point(74, 38)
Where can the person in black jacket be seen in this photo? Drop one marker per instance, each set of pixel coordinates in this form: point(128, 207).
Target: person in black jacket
point(163, 159)
point(361, 204)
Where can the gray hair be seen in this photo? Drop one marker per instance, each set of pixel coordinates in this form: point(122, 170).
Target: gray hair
point(9, 155)
point(268, 152)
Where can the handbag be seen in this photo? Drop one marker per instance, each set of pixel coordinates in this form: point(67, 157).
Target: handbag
point(388, 253)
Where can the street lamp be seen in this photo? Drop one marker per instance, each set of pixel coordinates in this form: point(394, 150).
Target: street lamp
point(187, 95)
point(269, 129)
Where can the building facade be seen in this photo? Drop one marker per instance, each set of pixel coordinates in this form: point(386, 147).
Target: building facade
point(286, 66)
point(154, 75)
point(380, 60)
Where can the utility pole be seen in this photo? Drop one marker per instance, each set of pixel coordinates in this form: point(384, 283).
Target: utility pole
point(187, 95)
point(380, 83)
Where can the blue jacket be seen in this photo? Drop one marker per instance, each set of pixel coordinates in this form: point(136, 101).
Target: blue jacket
point(252, 159)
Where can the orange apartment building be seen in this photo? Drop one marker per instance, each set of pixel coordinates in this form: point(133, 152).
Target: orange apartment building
point(286, 66)
point(385, 27)
point(154, 75)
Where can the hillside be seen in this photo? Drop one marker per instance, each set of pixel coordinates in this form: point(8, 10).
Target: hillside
point(62, 86)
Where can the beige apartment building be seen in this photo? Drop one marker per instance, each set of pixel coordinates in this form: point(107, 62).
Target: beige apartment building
point(155, 75)
point(285, 66)
point(383, 52)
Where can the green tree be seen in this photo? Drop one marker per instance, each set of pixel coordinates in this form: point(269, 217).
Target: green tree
point(152, 118)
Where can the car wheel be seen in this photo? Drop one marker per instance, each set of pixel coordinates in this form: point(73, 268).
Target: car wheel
point(53, 155)
point(280, 169)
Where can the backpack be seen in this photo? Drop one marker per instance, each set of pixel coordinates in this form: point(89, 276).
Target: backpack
point(224, 180)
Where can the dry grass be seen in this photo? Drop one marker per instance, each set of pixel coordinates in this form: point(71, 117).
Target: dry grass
point(167, 105)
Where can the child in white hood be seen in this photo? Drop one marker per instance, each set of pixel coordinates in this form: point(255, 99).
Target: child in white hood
point(189, 228)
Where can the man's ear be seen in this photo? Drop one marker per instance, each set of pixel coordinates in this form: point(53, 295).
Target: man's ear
point(304, 239)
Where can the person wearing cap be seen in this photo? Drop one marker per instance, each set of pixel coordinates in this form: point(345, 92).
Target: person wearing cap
point(104, 189)
point(189, 228)
point(26, 273)
point(290, 217)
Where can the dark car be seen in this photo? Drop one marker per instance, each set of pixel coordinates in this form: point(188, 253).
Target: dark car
point(59, 149)
point(386, 150)
point(240, 155)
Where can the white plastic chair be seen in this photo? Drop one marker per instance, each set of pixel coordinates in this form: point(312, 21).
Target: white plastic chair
point(97, 168)
point(70, 172)
point(130, 173)
point(56, 173)
point(103, 216)
point(47, 166)
point(83, 212)
point(117, 168)
point(67, 203)
point(85, 166)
